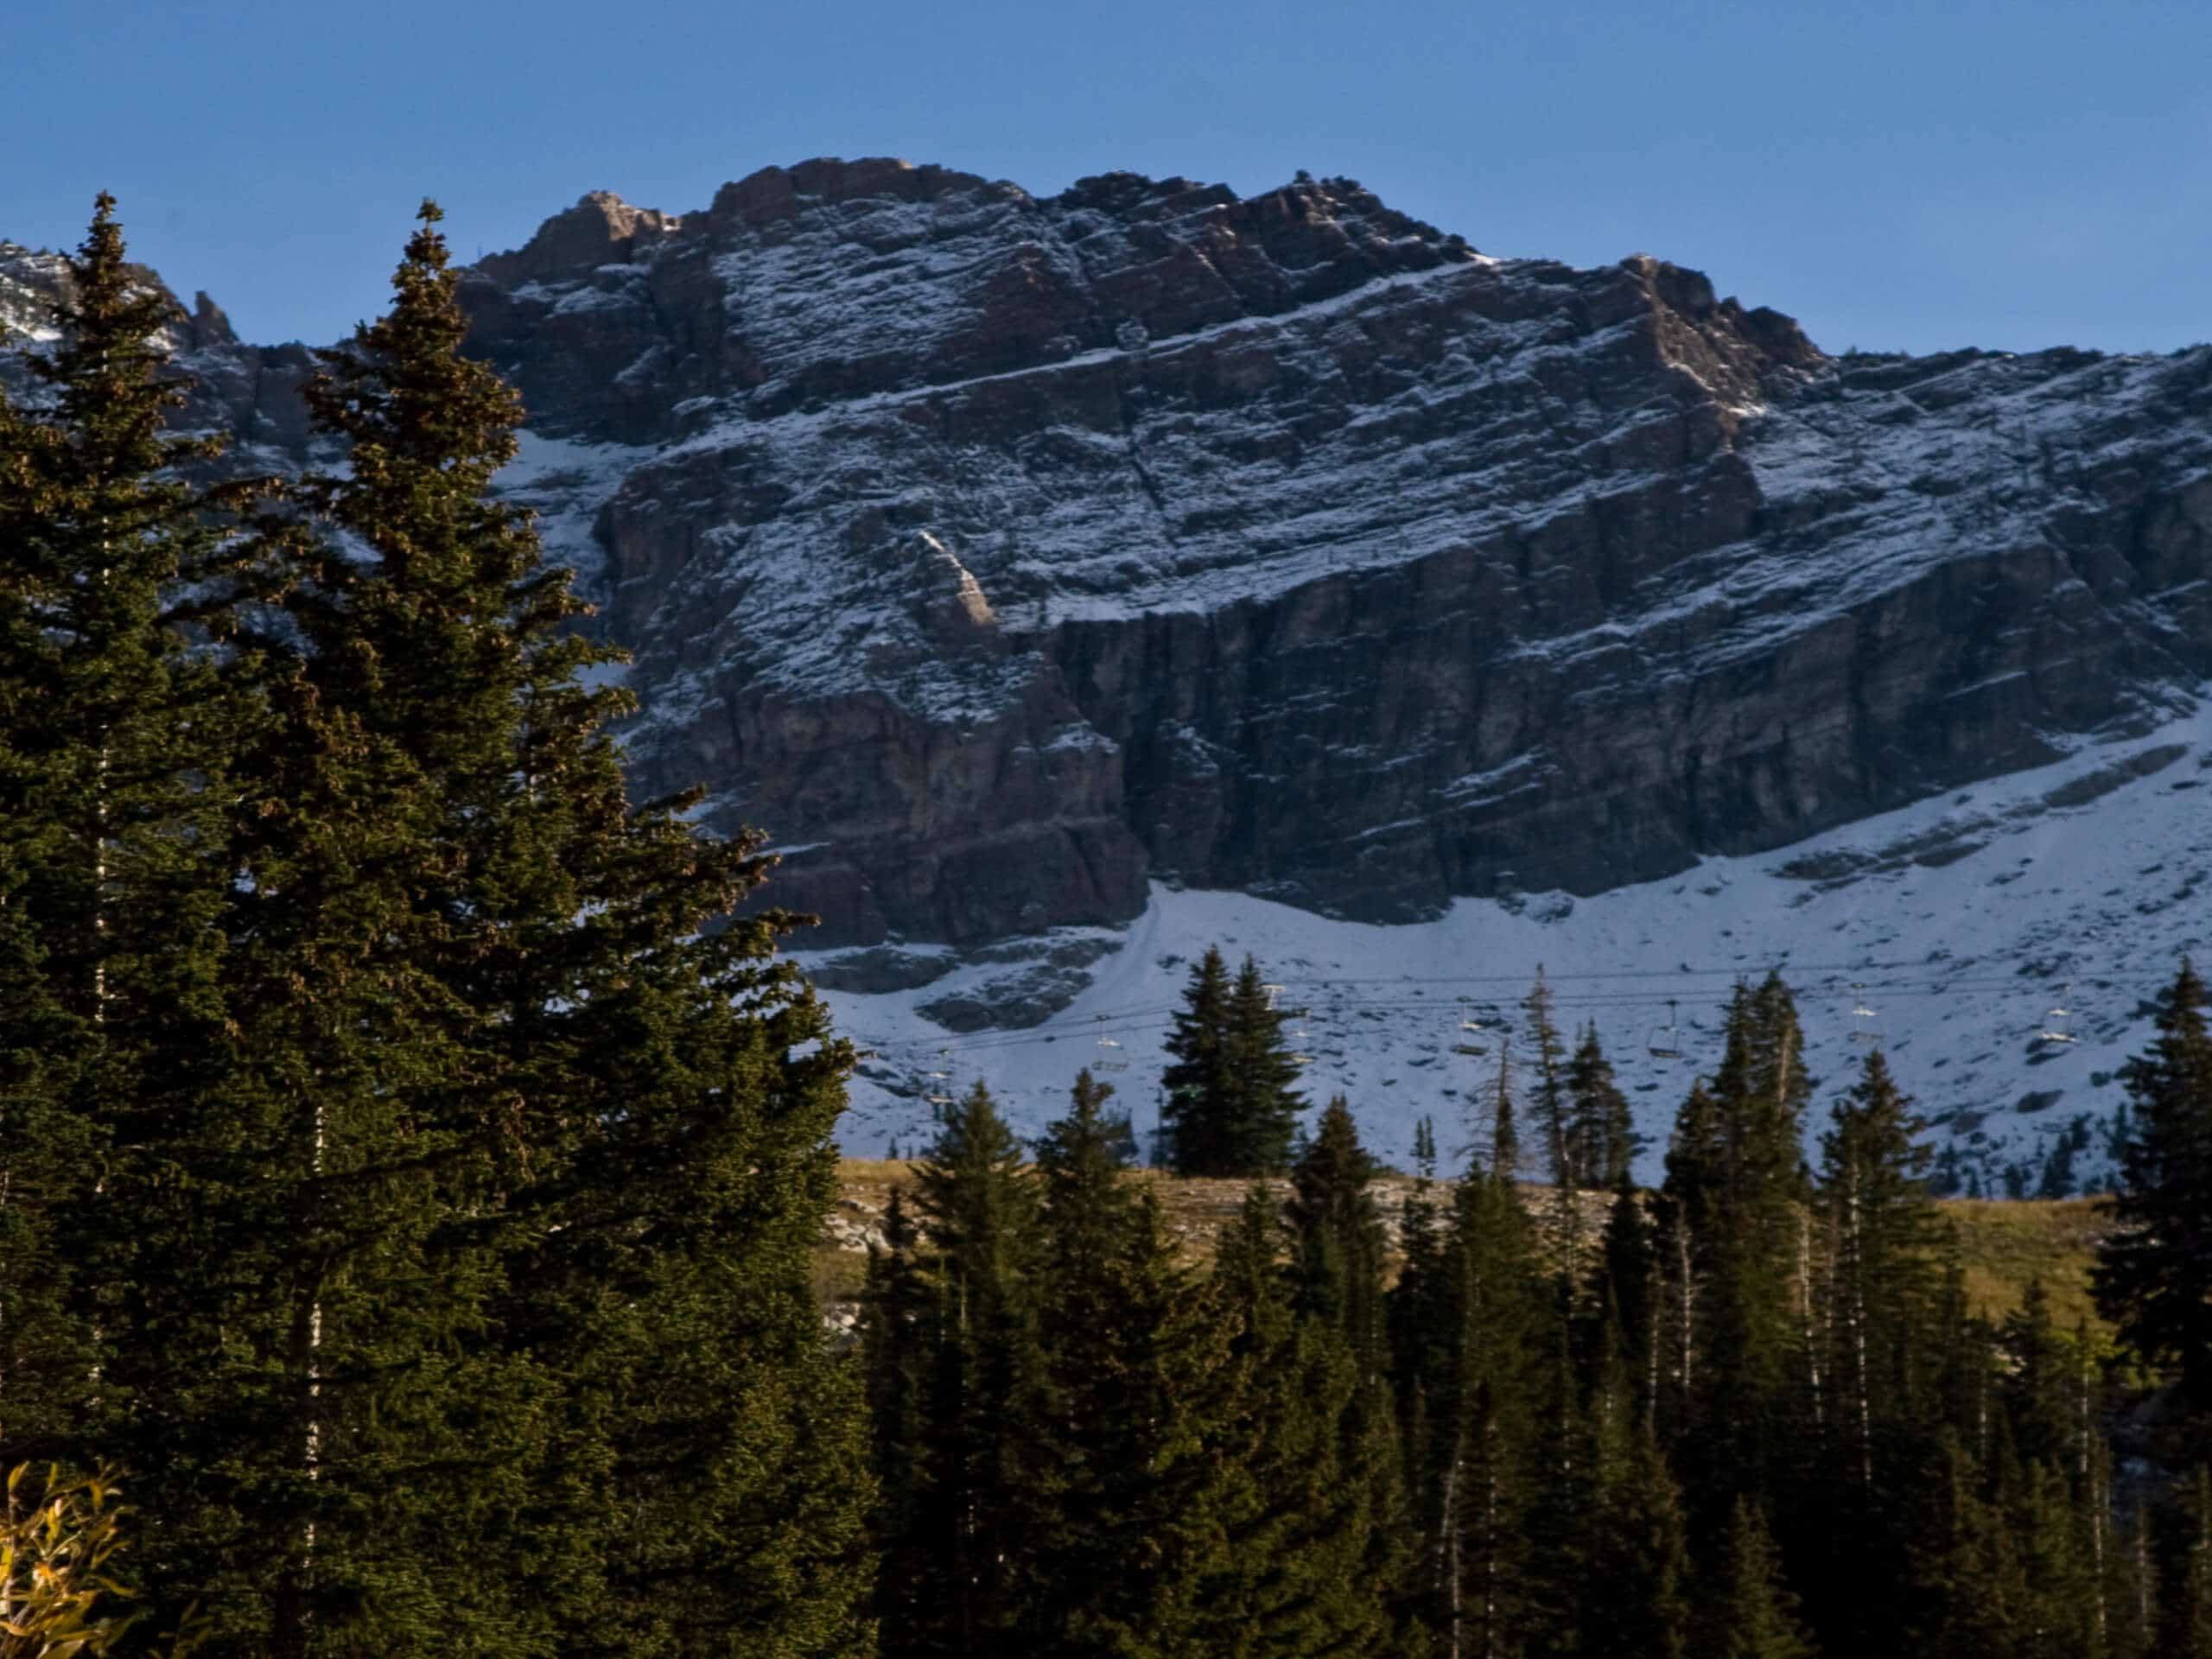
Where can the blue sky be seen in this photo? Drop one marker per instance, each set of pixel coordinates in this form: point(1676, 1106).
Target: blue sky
point(1897, 174)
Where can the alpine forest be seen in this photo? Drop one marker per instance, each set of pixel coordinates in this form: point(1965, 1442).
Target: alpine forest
point(415, 1156)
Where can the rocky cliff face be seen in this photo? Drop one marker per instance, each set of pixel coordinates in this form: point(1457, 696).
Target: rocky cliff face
point(996, 553)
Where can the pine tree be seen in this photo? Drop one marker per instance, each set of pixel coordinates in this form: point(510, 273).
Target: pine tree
point(1640, 1553)
point(1736, 1190)
point(1338, 1278)
point(1603, 1141)
point(1338, 1272)
point(1267, 1099)
point(1477, 1383)
point(1200, 1086)
point(2059, 1604)
point(2154, 1269)
point(1311, 1564)
point(1753, 1615)
point(2038, 1384)
point(506, 1182)
point(983, 1471)
point(897, 1332)
point(1553, 1102)
point(1628, 1297)
point(2131, 1594)
point(1125, 1529)
point(113, 737)
point(1967, 1580)
point(1232, 1102)
point(1885, 1235)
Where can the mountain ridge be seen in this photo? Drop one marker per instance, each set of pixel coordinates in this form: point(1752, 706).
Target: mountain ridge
point(1017, 561)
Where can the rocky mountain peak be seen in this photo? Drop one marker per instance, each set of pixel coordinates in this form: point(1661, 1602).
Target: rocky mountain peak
point(601, 229)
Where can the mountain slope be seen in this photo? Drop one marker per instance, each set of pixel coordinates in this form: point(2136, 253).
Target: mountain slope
point(1961, 921)
point(1064, 580)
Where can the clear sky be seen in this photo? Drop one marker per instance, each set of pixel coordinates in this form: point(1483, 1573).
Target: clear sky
point(1897, 174)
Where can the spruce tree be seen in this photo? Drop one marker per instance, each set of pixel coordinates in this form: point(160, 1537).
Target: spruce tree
point(508, 1175)
point(2154, 1269)
point(1885, 1235)
point(1200, 1086)
point(1966, 1582)
point(1232, 1104)
point(983, 1471)
point(1265, 1116)
point(1477, 1472)
point(1602, 1139)
point(1736, 1190)
point(1552, 1099)
point(1752, 1614)
point(1309, 1564)
point(1639, 1558)
point(114, 733)
point(1628, 1297)
point(2189, 1604)
point(897, 1333)
point(1125, 1528)
point(1337, 1279)
point(1336, 1229)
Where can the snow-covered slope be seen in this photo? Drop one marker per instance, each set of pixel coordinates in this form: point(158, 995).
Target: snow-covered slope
point(1961, 921)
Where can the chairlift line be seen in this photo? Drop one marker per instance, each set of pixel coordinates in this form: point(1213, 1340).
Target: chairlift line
point(1664, 1042)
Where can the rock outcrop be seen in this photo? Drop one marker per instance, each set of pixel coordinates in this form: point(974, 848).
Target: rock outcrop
point(997, 553)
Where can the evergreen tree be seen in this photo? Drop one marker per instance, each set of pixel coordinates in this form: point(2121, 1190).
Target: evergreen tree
point(1336, 1229)
point(528, 1149)
point(981, 1473)
point(1753, 1616)
point(113, 741)
point(2154, 1269)
point(1200, 1088)
point(1231, 1095)
point(2131, 1594)
point(1602, 1141)
point(1309, 1564)
point(1124, 1527)
point(1885, 1235)
point(1552, 1100)
point(2060, 1590)
point(1639, 1560)
point(2038, 1383)
point(1477, 1382)
point(1338, 1278)
point(1628, 1286)
point(1968, 1586)
point(2189, 1606)
point(896, 1332)
point(1736, 1190)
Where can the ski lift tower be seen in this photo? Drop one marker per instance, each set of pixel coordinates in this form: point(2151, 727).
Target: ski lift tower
point(1865, 1029)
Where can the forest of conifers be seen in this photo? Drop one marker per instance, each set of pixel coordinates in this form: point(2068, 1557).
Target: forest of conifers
point(411, 1151)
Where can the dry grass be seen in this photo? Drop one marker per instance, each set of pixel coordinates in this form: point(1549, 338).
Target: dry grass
point(2008, 1245)
point(2004, 1245)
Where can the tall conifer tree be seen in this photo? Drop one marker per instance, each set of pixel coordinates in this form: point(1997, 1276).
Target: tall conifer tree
point(2154, 1269)
point(113, 750)
point(983, 1470)
point(522, 1154)
point(1752, 1615)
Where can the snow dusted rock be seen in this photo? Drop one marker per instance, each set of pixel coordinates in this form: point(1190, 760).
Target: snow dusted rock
point(1004, 557)
point(997, 552)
